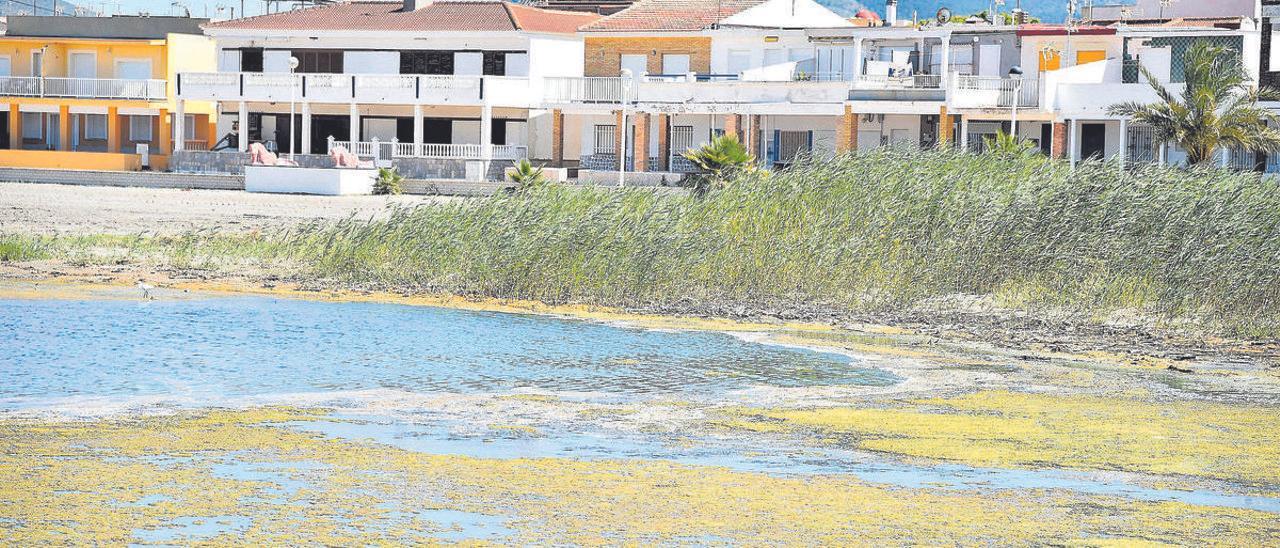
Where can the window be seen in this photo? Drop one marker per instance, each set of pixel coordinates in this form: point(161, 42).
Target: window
point(189, 127)
point(137, 69)
point(604, 139)
point(675, 63)
point(1050, 60)
point(251, 60)
point(739, 61)
point(495, 63)
point(95, 127)
point(426, 62)
point(140, 128)
point(681, 139)
point(319, 61)
point(1090, 56)
point(33, 125)
point(5, 66)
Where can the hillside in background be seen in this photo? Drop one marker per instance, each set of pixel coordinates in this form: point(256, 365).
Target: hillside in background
point(1047, 10)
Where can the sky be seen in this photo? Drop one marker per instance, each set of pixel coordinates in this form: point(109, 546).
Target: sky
point(1048, 10)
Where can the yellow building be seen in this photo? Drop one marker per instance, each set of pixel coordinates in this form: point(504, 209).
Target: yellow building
point(86, 92)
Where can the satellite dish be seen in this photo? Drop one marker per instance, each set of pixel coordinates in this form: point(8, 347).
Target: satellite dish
point(944, 16)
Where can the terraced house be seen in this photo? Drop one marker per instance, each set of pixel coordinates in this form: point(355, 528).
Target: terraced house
point(675, 74)
point(84, 93)
point(444, 89)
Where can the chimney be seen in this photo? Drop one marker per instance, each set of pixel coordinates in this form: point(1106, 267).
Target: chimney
point(890, 13)
point(412, 5)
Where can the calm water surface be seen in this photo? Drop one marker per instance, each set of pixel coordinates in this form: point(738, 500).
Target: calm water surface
point(242, 346)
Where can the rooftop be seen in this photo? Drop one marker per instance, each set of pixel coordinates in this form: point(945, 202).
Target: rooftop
point(144, 27)
point(671, 15)
point(439, 16)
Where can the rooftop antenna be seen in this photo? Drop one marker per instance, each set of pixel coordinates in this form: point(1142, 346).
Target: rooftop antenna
point(1164, 4)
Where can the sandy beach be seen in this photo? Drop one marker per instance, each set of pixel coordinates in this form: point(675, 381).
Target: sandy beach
point(65, 209)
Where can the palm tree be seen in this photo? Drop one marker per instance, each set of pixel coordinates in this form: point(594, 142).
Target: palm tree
point(1217, 109)
point(719, 161)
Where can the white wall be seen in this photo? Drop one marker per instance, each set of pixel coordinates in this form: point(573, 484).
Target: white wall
point(275, 61)
point(555, 56)
point(895, 128)
point(753, 42)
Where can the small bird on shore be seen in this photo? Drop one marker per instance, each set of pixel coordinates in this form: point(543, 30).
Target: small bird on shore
point(146, 289)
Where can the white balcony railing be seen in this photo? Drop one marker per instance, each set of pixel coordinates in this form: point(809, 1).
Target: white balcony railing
point(83, 88)
point(886, 82)
point(383, 150)
point(361, 88)
point(590, 89)
point(995, 92)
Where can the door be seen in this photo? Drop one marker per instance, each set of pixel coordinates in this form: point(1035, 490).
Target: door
point(83, 65)
point(323, 127)
point(5, 66)
point(989, 60)
point(4, 135)
point(37, 63)
point(637, 63)
point(1093, 141)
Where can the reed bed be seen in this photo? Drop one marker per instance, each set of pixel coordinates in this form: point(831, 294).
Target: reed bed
point(886, 230)
point(881, 230)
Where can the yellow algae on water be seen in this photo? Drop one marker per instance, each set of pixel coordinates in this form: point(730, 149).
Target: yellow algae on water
point(1211, 440)
point(100, 481)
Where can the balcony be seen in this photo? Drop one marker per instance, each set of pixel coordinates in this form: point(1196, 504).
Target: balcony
point(704, 90)
point(356, 88)
point(880, 87)
point(995, 92)
point(82, 88)
point(385, 150)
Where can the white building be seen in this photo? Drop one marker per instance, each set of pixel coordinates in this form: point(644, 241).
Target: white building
point(434, 85)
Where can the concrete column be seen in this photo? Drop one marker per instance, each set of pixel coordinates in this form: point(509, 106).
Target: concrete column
point(1074, 142)
point(733, 126)
point(845, 136)
point(15, 127)
point(1124, 143)
point(1225, 157)
point(1058, 144)
point(857, 60)
point(242, 119)
point(946, 63)
point(64, 127)
point(164, 141)
point(486, 132)
point(418, 129)
point(664, 142)
point(210, 129)
point(642, 141)
point(753, 135)
point(354, 133)
point(557, 137)
point(113, 129)
point(944, 127)
point(180, 126)
point(304, 136)
point(964, 133)
point(617, 136)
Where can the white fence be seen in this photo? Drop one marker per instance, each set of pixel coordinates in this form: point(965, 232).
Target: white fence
point(362, 88)
point(83, 88)
point(995, 92)
point(383, 150)
point(591, 89)
point(918, 81)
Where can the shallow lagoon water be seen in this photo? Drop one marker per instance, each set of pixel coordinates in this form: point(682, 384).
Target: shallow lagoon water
point(67, 356)
point(213, 349)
